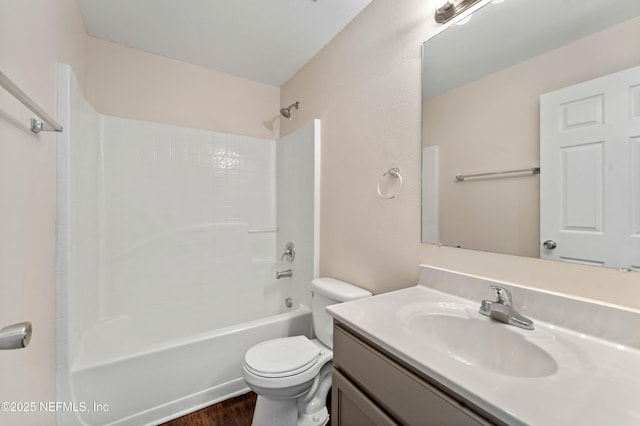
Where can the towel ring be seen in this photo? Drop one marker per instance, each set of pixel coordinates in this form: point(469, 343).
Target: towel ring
point(395, 172)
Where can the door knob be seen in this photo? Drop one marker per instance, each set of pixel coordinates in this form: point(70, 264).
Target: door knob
point(15, 336)
point(549, 244)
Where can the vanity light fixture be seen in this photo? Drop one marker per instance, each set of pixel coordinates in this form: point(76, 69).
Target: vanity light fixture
point(451, 9)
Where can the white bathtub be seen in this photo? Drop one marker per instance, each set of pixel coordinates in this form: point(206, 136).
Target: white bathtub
point(145, 378)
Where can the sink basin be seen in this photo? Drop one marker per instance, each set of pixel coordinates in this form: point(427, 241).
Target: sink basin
point(479, 342)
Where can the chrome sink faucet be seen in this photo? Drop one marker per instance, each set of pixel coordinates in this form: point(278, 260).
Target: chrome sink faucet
point(502, 310)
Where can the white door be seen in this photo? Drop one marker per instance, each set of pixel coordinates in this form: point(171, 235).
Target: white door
point(590, 172)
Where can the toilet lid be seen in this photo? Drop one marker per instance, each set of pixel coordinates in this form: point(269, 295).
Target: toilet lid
point(282, 357)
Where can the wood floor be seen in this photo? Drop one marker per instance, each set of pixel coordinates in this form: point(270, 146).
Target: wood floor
point(237, 411)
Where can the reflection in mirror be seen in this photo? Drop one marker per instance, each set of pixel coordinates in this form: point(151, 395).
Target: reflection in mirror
point(482, 88)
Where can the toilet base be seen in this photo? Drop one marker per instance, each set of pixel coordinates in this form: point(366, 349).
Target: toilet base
point(270, 412)
point(321, 418)
point(284, 412)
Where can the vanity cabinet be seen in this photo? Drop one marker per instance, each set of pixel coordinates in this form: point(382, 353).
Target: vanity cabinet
point(371, 388)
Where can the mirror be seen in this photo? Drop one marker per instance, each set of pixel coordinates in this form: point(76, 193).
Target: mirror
point(482, 84)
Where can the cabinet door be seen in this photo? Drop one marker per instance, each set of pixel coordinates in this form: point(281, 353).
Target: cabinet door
point(350, 407)
point(407, 397)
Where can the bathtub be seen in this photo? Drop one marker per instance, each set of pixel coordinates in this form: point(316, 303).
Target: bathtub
point(129, 373)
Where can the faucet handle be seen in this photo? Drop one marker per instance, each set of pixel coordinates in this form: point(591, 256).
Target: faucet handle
point(503, 295)
point(289, 253)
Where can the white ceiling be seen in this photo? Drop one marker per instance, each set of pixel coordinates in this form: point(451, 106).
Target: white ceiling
point(262, 40)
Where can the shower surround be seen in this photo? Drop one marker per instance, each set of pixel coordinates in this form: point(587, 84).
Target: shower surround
point(168, 243)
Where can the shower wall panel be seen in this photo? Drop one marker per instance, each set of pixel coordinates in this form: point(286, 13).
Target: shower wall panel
point(181, 208)
point(152, 216)
point(298, 181)
point(77, 229)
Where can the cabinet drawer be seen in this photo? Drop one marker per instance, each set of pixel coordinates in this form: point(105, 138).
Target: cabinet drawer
point(403, 394)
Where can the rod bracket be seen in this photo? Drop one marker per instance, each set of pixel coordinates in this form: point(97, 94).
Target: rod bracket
point(38, 126)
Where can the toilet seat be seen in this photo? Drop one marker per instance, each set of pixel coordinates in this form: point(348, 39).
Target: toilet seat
point(284, 357)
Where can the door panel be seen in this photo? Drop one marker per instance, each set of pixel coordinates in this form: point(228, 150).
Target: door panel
point(590, 171)
point(582, 167)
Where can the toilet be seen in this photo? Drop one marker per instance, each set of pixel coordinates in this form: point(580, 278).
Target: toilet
point(292, 375)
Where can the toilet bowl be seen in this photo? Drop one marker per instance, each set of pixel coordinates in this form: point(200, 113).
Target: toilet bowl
point(283, 371)
point(292, 375)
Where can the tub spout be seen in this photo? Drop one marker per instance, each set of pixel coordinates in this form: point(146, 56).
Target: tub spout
point(284, 274)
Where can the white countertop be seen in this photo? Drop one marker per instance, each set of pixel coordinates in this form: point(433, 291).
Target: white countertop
point(596, 382)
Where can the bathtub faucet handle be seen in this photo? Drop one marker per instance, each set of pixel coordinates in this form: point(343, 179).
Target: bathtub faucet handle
point(289, 252)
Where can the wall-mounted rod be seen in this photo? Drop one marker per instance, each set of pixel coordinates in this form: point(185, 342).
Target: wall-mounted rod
point(506, 173)
point(47, 123)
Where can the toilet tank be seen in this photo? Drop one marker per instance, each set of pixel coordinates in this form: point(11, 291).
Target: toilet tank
point(329, 291)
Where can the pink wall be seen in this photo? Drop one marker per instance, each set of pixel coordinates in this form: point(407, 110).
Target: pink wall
point(34, 36)
point(365, 86)
point(130, 83)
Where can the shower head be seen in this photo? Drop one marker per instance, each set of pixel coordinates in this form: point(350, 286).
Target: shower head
point(286, 112)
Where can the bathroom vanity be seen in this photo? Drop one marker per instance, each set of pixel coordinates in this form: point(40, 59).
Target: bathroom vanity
point(425, 355)
point(373, 387)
